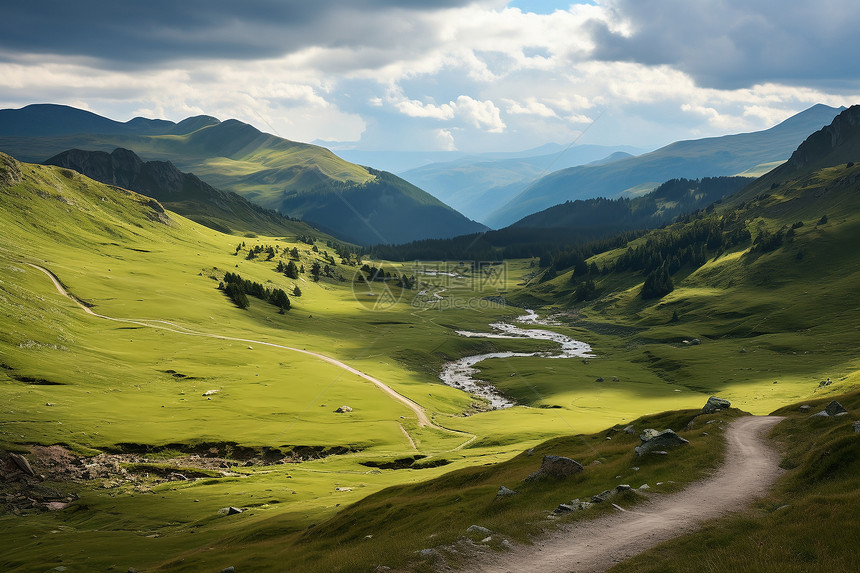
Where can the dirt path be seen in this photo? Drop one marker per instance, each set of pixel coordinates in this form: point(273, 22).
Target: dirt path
point(423, 419)
point(750, 469)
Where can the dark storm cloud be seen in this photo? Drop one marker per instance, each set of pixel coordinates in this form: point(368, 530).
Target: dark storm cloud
point(737, 43)
point(163, 30)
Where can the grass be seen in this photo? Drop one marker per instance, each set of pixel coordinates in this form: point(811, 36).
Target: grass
point(114, 385)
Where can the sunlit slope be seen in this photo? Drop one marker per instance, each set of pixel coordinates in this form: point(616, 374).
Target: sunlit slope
point(113, 382)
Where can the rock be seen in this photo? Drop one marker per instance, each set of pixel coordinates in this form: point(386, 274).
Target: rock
point(602, 496)
point(563, 508)
point(22, 463)
point(210, 392)
point(505, 492)
point(857, 427)
point(630, 429)
point(695, 342)
point(835, 408)
point(713, 404)
point(622, 488)
point(821, 414)
point(659, 441)
point(599, 379)
point(805, 408)
point(647, 434)
point(644, 486)
point(343, 489)
point(231, 510)
point(428, 553)
point(56, 505)
point(507, 544)
point(343, 410)
point(229, 569)
point(476, 531)
point(556, 467)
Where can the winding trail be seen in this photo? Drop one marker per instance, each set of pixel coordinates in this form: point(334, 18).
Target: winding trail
point(423, 419)
point(750, 468)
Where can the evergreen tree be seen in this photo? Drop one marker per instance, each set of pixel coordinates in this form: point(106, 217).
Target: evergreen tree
point(315, 271)
point(657, 284)
point(291, 270)
point(297, 291)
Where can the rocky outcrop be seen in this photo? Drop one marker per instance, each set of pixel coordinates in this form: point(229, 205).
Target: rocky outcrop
point(557, 467)
point(659, 441)
point(834, 408)
point(10, 170)
point(842, 133)
point(713, 404)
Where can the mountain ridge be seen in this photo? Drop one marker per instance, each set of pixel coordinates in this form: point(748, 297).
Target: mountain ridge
point(275, 173)
point(691, 159)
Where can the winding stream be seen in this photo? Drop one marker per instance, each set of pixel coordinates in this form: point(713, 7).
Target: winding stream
point(461, 373)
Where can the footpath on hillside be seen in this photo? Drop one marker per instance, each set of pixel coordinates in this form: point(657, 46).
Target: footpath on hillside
point(750, 469)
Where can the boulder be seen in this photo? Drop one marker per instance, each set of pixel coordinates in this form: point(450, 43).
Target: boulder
point(835, 408)
point(563, 508)
point(505, 492)
point(22, 463)
point(659, 441)
point(343, 410)
point(857, 427)
point(713, 404)
point(805, 408)
point(647, 434)
point(229, 569)
point(602, 496)
point(556, 467)
point(622, 488)
point(477, 531)
point(821, 414)
point(231, 510)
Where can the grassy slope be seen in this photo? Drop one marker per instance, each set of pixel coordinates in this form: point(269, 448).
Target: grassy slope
point(112, 385)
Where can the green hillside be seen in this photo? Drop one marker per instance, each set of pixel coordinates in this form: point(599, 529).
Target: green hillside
point(180, 192)
point(293, 178)
point(710, 157)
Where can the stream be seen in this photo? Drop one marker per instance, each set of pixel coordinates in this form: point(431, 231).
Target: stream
point(461, 373)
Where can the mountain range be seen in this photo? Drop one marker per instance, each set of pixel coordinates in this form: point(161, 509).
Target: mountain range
point(300, 180)
point(477, 185)
point(709, 157)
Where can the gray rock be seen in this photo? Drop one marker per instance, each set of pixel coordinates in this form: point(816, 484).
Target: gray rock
point(476, 531)
point(556, 467)
point(630, 429)
point(22, 463)
point(602, 496)
point(229, 569)
point(234, 510)
point(622, 488)
point(660, 442)
point(648, 434)
point(713, 404)
point(857, 427)
point(821, 414)
point(505, 492)
point(835, 408)
point(428, 553)
point(805, 408)
point(343, 410)
point(644, 486)
point(563, 508)
point(507, 544)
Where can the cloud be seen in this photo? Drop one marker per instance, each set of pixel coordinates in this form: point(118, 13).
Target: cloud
point(165, 30)
point(731, 44)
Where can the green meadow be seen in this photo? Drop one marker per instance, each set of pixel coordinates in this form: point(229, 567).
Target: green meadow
point(178, 368)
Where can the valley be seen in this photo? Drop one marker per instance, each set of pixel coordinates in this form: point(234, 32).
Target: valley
point(196, 399)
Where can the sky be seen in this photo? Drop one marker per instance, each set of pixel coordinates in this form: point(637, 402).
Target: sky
point(417, 75)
